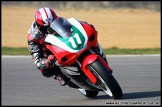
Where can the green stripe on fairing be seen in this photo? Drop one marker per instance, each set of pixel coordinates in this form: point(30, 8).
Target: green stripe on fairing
point(66, 40)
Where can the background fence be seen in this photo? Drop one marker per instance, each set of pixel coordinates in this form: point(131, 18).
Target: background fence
point(154, 5)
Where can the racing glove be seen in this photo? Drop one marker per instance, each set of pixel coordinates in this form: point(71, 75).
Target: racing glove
point(49, 62)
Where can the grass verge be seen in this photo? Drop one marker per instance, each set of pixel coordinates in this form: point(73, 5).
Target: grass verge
point(113, 51)
point(14, 51)
point(116, 51)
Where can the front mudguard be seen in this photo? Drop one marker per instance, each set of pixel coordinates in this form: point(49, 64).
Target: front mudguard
point(89, 59)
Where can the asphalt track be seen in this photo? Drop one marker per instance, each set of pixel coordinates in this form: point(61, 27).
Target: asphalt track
point(138, 76)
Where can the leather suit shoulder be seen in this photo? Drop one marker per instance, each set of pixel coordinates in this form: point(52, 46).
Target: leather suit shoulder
point(34, 34)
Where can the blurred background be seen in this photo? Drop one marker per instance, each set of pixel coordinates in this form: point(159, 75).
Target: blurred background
point(121, 24)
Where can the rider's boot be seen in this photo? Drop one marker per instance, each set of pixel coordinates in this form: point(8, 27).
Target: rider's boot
point(59, 76)
point(56, 74)
point(62, 79)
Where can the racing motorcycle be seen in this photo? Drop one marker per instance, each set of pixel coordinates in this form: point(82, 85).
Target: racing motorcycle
point(81, 58)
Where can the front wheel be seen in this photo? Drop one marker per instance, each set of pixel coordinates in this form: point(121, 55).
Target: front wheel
point(105, 80)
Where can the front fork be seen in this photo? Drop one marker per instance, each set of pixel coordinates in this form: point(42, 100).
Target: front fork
point(100, 51)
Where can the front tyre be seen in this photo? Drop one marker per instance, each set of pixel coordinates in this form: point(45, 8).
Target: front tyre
point(88, 93)
point(106, 80)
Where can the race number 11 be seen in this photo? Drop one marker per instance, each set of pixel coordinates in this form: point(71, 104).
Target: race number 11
point(73, 43)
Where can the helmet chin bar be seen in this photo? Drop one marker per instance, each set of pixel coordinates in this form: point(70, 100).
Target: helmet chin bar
point(42, 29)
point(40, 32)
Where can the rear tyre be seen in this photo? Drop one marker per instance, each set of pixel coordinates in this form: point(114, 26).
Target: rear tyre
point(88, 93)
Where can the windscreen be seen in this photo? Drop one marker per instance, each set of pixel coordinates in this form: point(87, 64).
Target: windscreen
point(61, 26)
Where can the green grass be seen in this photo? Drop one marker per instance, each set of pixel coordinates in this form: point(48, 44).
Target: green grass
point(14, 51)
point(116, 51)
point(113, 51)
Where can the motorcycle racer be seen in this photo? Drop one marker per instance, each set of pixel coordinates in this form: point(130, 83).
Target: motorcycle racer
point(37, 33)
point(36, 36)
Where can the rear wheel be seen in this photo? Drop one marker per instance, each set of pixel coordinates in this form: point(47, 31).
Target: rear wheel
point(106, 80)
point(88, 93)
